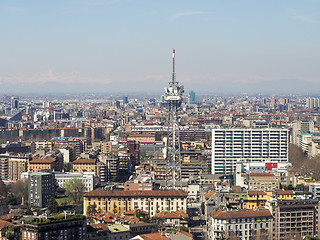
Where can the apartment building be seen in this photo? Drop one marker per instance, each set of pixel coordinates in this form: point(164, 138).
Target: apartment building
point(17, 165)
point(120, 201)
point(294, 219)
point(248, 146)
point(244, 224)
point(263, 182)
point(69, 227)
point(41, 188)
point(48, 163)
point(84, 165)
point(4, 162)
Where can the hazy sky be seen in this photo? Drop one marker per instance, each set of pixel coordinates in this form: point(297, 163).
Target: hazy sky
point(107, 41)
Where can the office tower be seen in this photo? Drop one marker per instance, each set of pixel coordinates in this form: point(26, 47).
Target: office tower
point(192, 97)
point(125, 100)
point(14, 102)
point(248, 146)
point(117, 104)
point(41, 188)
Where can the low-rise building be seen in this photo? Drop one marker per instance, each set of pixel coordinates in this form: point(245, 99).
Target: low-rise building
point(173, 218)
point(244, 224)
point(64, 228)
point(88, 179)
point(120, 201)
point(48, 163)
point(84, 165)
point(263, 182)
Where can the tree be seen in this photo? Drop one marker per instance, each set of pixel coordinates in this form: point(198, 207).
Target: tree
point(53, 205)
point(92, 210)
point(3, 189)
point(68, 167)
point(75, 189)
point(203, 207)
point(11, 199)
point(20, 190)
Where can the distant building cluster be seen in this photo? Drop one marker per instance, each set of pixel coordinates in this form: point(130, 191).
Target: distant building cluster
point(95, 167)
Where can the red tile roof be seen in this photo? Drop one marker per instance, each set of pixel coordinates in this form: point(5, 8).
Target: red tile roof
point(286, 192)
point(42, 160)
point(172, 214)
point(132, 193)
point(81, 161)
point(4, 224)
point(240, 214)
point(208, 194)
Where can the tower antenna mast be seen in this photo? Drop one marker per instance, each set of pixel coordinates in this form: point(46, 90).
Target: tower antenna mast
point(174, 97)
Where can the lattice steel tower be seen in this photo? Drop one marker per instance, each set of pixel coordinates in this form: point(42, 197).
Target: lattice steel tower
point(174, 97)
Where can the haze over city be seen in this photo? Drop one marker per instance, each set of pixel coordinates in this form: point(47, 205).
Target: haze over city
point(125, 46)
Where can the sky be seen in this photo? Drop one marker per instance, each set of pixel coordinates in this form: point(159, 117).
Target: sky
point(126, 44)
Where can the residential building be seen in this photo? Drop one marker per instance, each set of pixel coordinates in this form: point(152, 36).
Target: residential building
point(65, 228)
point(301, 127)
point(263, 182)
point(294, 218)
point(106, 147)
point(244, 224)
point(4, 162)
point(49, 163)
point(247, 145)
point(17, 165)
point(120, 201)
point(173, 218)
point(41, 188)
point(84, 165)
point(88, 179)
point(141, 186)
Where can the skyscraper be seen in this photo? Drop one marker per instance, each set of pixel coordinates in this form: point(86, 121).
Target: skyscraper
point(192, 97)
point(14, 102)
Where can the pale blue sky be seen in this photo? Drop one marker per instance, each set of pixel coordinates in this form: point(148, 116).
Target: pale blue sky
point(104, 41)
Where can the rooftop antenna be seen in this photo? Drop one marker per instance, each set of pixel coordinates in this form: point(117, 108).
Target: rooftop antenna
point(174, 97)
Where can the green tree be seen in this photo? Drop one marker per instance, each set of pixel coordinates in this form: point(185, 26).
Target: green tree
point(53, 205)
point(203, 208)
point(75, 189)
point(11, 199)
point(68, 167)
point(92, 210)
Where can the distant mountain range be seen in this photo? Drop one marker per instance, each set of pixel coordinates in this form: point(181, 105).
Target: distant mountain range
point(153, 86)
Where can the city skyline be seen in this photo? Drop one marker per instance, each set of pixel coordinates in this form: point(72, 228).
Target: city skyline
point(125, 46)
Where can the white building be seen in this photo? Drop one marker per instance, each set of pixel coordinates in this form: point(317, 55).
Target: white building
point(248, 146)
point(88, 178)
point(243, 224)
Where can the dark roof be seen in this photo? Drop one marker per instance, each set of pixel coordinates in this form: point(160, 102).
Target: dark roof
point(149, 193)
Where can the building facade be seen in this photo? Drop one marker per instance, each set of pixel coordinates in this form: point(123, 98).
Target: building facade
point(244, 224)
point(294, 218)
point(41, 188)
point(247, 145)
point(120, 201)
point(68, 228)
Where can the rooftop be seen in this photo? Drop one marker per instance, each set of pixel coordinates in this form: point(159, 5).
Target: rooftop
point(130, 193)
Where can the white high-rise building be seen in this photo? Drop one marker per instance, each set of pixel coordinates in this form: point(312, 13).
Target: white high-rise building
point(248, 146)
